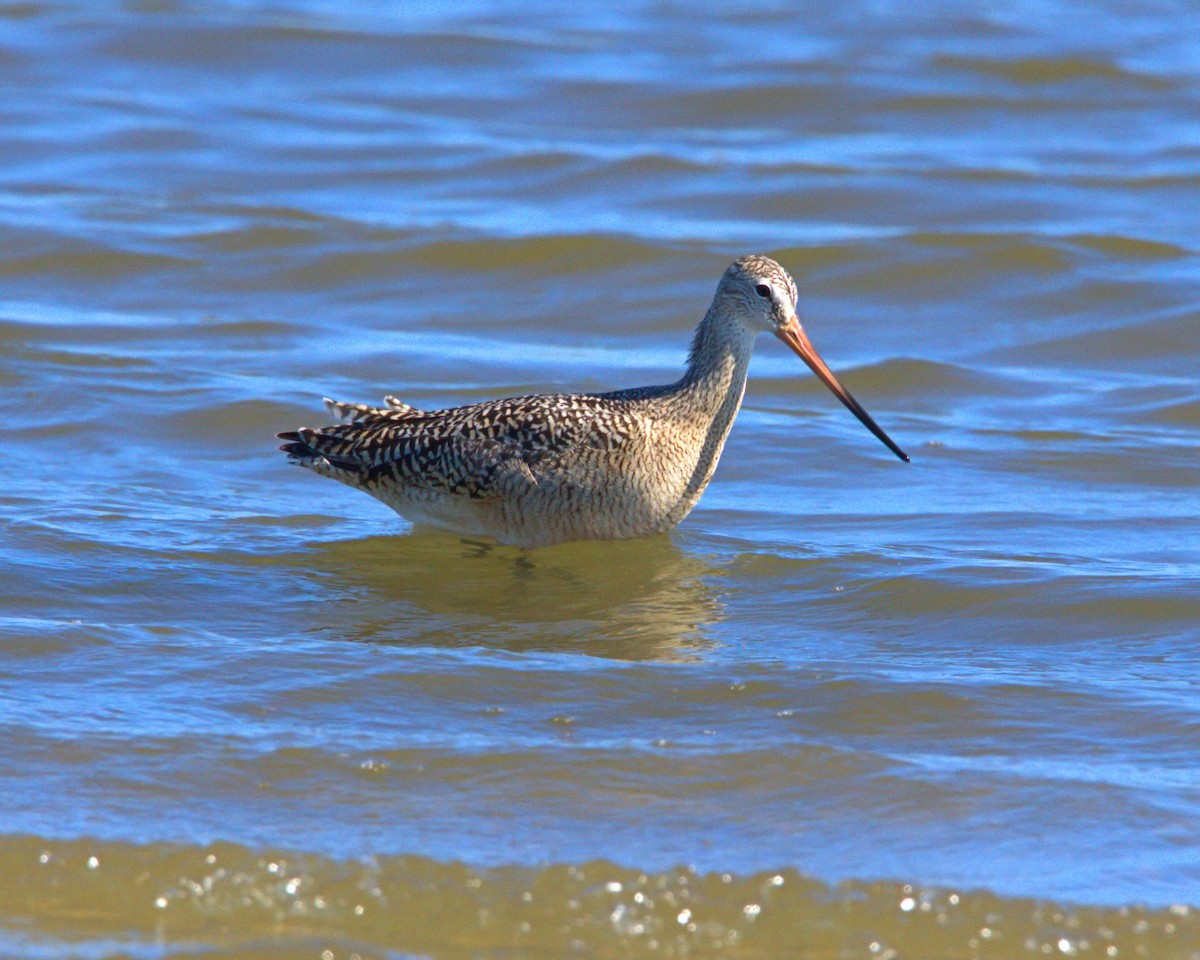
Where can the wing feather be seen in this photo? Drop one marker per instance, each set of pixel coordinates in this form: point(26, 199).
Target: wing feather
point(501, 448)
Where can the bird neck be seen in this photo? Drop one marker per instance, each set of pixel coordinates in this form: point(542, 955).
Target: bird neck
point(718, 362)
point(707, 398)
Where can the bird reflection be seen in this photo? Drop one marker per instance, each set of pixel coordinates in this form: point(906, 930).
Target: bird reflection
point(630, 600)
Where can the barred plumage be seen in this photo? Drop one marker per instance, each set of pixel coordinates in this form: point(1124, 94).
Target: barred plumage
point(543, 469)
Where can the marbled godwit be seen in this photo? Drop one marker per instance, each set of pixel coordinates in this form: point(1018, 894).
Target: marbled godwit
point(584, 466)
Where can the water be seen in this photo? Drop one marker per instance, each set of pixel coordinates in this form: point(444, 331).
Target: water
point(850, 708)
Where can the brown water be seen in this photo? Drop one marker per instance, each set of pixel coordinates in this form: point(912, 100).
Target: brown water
point(850, 708)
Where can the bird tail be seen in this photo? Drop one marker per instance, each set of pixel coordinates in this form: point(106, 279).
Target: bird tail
point(323, 452)
point(337, 451)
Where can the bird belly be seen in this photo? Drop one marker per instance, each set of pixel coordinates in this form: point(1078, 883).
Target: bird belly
point(547, 515)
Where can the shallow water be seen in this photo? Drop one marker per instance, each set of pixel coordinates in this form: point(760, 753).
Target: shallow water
point(850, 708)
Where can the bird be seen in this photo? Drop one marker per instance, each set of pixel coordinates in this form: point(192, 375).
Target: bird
point(537, 470)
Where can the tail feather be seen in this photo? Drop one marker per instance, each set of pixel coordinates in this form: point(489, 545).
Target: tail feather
point(393, 409)
point(397, 405)
point(337, 451)
point(320, 452)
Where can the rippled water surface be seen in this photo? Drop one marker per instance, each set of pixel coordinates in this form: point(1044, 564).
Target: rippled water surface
point(850, 708)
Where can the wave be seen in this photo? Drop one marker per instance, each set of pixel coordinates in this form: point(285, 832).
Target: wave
point(190, 899)
point(1041, 71)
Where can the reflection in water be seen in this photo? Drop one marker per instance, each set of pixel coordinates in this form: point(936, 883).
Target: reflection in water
point(630, 600)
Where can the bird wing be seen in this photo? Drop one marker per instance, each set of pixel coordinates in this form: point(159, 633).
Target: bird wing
point(500, 448)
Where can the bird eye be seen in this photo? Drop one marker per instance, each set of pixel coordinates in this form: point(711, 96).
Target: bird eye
point(763, 291)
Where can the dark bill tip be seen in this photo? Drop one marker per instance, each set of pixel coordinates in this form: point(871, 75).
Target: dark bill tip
point(795, 337)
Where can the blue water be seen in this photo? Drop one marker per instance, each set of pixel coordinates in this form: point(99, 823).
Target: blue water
point(974, 673)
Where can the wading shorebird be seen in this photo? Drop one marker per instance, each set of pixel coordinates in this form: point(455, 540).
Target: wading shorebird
point(545, 469)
